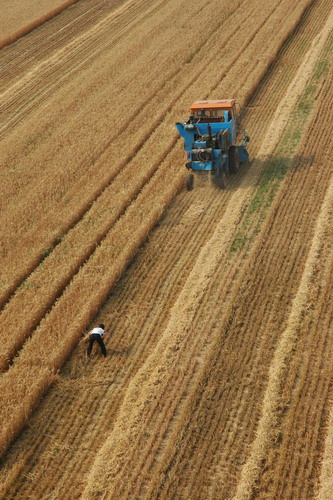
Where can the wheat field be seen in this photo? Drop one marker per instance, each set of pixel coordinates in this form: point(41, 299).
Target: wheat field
point(217, 383)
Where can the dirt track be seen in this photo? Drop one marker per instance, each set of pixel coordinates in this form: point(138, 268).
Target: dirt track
point(199, 332)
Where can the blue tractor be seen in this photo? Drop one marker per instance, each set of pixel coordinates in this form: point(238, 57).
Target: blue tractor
point(210, 136)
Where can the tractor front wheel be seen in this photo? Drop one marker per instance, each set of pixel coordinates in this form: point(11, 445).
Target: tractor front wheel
point(189, 182)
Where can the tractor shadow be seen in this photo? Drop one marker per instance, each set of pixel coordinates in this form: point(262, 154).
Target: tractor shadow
point(256, 172)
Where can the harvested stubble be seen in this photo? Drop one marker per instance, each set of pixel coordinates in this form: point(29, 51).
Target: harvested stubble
point(72, 252)
point(59, 267)
point(256, 327)
point(54, 154)
point(57, 323)
point(66, 311)
point(141, 411)
point(59, 331)
point(300, 397)
point(325, 486)
point(267, 429)
point(65, 160)
point(191, 479)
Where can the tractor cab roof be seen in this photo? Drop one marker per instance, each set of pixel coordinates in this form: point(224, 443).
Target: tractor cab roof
point(213, 104)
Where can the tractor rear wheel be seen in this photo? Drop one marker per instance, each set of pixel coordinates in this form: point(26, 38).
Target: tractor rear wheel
point(189, 182)
point(233, 155)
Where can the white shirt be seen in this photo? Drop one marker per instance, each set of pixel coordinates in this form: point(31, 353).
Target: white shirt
point(98, 330)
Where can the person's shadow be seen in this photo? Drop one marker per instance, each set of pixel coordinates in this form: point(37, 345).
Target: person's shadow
point(120, 352)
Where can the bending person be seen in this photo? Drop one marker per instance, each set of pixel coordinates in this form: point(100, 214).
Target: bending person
point(96, 336)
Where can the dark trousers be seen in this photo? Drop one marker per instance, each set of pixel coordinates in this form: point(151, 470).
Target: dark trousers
point(96, 337)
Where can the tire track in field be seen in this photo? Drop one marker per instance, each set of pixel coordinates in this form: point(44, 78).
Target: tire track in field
point(245, 383)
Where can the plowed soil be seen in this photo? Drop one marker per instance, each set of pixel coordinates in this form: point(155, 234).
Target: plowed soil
point(217, 304)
